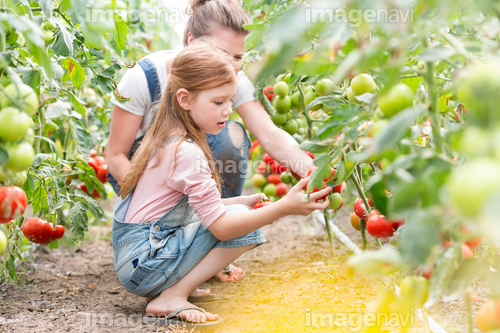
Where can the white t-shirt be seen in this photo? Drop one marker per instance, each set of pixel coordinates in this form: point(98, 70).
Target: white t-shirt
point(134, 85)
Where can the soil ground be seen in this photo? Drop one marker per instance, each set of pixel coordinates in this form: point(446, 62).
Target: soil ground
point(289, 280)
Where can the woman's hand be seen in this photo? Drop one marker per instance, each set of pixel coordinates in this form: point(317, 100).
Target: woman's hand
point(251, 200)
point(297, 201)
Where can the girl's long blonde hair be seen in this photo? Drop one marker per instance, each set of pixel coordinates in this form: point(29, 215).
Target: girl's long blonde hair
point(199, 66)
point(207, 15)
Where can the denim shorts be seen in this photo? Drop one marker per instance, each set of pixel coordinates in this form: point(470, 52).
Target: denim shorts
point(152, 256)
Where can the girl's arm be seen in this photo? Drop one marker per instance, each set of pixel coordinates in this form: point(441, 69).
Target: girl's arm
point(247, 200)
point(277, 143)
point(294, 203)
point(124, 128)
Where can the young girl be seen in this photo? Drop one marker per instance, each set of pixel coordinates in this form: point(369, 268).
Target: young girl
point(144, 83)
point(163, 250)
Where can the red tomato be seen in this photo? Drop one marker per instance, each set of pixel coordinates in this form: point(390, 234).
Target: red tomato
point(360, 209)
point(473, 243)
point(316, 190)
point(262, 168)
point(92, 153)
point(399, 223)
point(466, 251)
point(269, 92)
point(37, 230)
point(100, 160)
point(83, 187)
point(374, 212)
point(93, 164)
point(340, 188)
point(267, 159)
point(311, 155)
point(380, 227)
point(281, 189)
point(102, 173)
point(274, 179)
point(13, 202)
point(261, 204)
point(58, 232)
point(275, 167)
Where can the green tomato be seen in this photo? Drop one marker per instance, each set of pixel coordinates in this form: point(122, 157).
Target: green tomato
point(287, 77)
point(20, 178)
point(270, 189)
point(47, 36)
point(279, 119)
point(378, 127)
point(308, 89)
point(309, 97)
point(479, 91)
point(324, 87)
point(471, 185)
point(397, 99)
point(3, 242)
point(414, 291)
point(301, 131)
point(282, 104)
point(13, 124)
point(20, 156)
point(30, 136)
point(280, 89)
point(291, 127)
point(474, 141)
point(362, 83)
point(286, 177)
point(21, 93)
point(336, 201)
point(296, 103)
point(289, 115)
point(351, 96)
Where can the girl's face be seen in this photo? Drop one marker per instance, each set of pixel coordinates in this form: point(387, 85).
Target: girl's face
point(211, 108)
point(230, 42)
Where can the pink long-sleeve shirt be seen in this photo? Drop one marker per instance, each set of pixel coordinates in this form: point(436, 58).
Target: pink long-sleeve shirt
point(156, 192)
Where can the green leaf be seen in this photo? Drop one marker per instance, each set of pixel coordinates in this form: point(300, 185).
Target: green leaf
point(465, 275)
point(75, 72)
point(444, 269)
point(338, 121)
point(31, 78)
point(108, 72)
point(47, 7)
point(63, 45)
point(39, 159)
point(30, 184)
point(4, 156)
point(105, 83)
point(65, 5)
point(376, 264)
point(377, 187)
point(78, 221)
point(82, 137)
point(55, 110)
point(77, 104)
point(10, 264)
point(39, 199)
point(97, 211)
point(254, 38)
point(314, 147)
point(121, 31)
point(396, 129)
point(435, 54)
point(323, 171)
point(418, 237)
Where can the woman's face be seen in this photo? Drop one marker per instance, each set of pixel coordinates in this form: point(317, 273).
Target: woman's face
point(230, 42)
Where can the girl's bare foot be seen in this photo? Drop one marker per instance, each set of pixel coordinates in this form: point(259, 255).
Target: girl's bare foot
point(235, 274)
point(169, 301)
point(196, 293)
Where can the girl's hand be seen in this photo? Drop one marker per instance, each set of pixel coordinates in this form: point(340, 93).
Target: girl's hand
point(296, 200)
point(251, 200)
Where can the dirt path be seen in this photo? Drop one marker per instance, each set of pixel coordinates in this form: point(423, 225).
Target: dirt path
point(288, 280)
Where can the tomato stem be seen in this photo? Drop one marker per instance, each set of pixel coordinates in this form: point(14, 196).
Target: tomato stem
point(362, 223)
point(305, 112)
point(433, 100)
point(468, 306)
point(328, 230)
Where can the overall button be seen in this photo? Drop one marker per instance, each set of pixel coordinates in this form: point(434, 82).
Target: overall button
point(157, 227)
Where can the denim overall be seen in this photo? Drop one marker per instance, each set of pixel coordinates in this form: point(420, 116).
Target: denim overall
point(221, 144)
point(152, 256)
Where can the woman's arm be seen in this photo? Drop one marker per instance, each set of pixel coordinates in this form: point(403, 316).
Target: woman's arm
point(294, 203)
point(124, 128)
point(278, 144)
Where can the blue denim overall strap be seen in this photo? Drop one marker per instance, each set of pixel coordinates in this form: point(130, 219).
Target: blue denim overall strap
point(152, 77)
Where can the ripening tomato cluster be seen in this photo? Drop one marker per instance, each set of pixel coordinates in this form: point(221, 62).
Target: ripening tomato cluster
point(488, 316)
point(18, 103)
point(98, 163)
point(40, 231)
point(272, 178)
point(377, 224)
point(13, 202)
